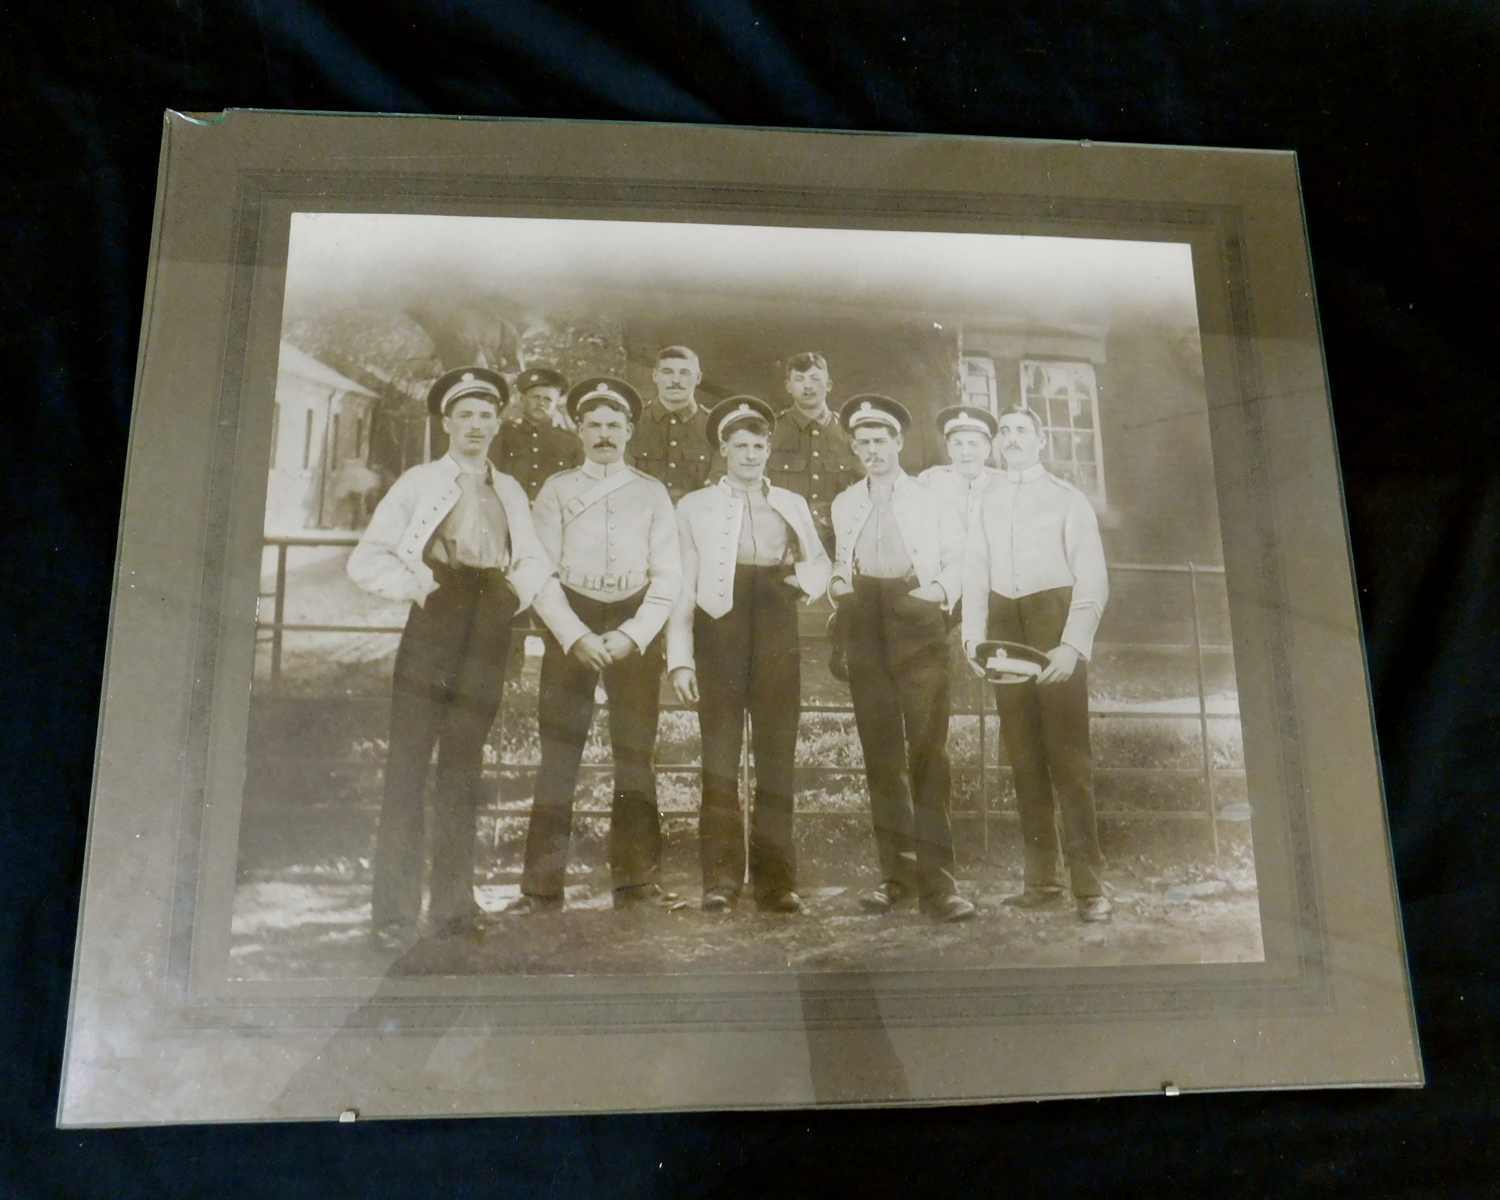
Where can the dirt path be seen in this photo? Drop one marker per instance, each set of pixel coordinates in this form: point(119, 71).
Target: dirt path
point(318, 930)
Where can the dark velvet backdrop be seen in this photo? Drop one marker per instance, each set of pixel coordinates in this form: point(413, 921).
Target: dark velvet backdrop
point(1395, 111)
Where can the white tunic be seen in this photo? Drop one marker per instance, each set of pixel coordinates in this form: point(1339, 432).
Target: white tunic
point(1033, 532)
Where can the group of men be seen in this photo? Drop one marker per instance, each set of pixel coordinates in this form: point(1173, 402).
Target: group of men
point(667, 536)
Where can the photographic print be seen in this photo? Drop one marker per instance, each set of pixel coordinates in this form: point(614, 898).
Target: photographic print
point(868, 802)
point(625, 617)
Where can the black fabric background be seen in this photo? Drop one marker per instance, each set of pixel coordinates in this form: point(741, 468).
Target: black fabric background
point(1394, 109)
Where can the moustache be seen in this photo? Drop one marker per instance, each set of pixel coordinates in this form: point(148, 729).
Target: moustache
point(604, 444)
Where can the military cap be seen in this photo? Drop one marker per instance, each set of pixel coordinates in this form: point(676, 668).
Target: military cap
point(965, 418)
point(1009, 662)
point(724, 415)
point(541, 377)
point(870, 408)
point(463, 382)
point(602, 389)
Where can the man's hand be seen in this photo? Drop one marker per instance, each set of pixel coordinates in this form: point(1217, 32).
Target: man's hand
point(932, 592)
point(618, 645)
point(685, 684)
point(592, 652)
point(838, 589)
point(1060, 664)
point(974, 664)
point(791, 581)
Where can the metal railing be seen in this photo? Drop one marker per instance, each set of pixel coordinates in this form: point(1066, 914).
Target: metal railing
point(988, 771)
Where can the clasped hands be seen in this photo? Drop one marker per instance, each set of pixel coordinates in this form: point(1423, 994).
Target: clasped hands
point(600, 650)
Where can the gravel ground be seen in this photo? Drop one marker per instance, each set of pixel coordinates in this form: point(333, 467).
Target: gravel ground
point(289, 928)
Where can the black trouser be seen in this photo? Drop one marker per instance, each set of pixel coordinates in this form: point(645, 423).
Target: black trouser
point(1046, 732)
point(565, 711)
point(749, 659)
point(899, 681)
point(449, 678)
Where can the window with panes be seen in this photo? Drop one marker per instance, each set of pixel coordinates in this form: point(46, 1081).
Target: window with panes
point(1065, 395)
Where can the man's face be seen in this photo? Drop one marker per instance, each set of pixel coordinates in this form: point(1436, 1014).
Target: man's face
point(745, 453)
point(808, 389)
point(1019, 441)
point(538, 403)
point(967, 451)
point(676, 381)
point(471, 425)
point(878, 449)
point(604, 430)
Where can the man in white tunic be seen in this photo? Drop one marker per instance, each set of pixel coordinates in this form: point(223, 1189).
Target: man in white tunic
point(1034, 573)
point(750, 551)
point(968, 432)
point(454, 538)
point(612, 534)
point(897, 572)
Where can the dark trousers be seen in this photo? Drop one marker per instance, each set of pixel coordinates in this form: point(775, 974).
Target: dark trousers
point(449, 678)
point(1046, 732)
point(749, 660)
point(899, 681)
point(565, 711)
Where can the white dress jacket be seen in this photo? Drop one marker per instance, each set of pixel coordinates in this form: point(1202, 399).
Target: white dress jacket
point(708, 526)
point(388, 559)
point(931, 525)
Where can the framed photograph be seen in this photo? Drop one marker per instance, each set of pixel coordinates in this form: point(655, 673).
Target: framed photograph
point(627, 617)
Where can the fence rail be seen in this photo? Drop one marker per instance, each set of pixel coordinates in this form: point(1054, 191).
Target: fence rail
point(1205, 770)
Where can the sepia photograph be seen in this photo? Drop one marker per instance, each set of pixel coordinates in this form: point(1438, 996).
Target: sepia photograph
point(649, 598)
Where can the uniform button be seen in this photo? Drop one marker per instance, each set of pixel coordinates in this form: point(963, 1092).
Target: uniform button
point(671, 443)
point(815, 454)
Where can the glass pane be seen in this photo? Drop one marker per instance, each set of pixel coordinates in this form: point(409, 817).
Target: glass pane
point(1083, 447)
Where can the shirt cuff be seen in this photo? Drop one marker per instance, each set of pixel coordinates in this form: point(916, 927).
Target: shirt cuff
point(632, 629)
point(1083, 621)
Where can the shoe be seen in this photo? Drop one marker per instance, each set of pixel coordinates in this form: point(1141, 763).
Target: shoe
point(717, 900)
point(393, 939)
point(787, 902)
point(633, 895)
point(884, 896)
point(534, 906)
point(949, 909)
point(1094, 909)
point(1034, 898)
point(466, 926)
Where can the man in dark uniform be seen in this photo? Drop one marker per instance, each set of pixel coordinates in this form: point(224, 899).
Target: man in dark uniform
point(668, 443)
point(810, 453)
point(897, 571)
point(612, 535)
point(454, 537)
point(534, 447)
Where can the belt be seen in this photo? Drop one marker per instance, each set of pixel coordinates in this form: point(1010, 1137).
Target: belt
point(462, 569)
point(625, 581)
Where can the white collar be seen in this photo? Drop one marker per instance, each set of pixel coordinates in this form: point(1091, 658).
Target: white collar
point(1033, 472)
point(602, 470)
point(461, 467)
point(731, 487)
